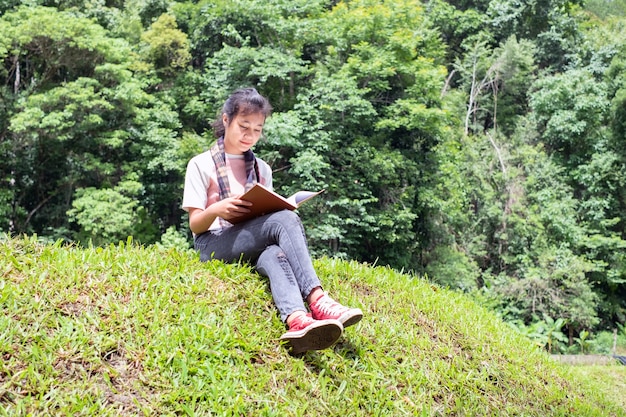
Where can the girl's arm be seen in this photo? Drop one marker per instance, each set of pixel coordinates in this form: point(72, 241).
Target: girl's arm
point(200, 220)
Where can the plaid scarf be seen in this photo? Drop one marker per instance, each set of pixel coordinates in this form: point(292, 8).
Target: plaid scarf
point(219, 158)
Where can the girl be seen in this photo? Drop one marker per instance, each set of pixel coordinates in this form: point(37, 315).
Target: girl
point(274, 243)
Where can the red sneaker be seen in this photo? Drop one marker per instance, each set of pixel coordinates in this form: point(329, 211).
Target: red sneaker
point(306, 333)
point(327, 308)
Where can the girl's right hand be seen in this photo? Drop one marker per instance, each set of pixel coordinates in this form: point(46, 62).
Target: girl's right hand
point(231, 207)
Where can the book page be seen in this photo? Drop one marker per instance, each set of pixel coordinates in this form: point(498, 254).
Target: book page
point(302, 196)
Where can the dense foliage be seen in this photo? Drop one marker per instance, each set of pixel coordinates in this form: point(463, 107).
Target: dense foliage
point(478, 141)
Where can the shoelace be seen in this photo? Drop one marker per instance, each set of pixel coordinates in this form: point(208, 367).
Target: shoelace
point(301, 322)
point(327, 304)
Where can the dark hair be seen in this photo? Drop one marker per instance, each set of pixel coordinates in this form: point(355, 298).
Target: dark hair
point(244, 101)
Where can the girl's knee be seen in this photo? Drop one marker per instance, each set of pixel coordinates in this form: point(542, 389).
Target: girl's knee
point(271, 251)
point(271, 258)
point(288, 218)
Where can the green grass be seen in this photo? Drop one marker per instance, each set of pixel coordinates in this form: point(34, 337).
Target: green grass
point(611, 379)
point(128, 330)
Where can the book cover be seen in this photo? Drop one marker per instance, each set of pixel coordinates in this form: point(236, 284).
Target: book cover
point(265, 201)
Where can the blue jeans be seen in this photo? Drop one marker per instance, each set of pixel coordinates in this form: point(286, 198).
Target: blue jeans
point(276, 245)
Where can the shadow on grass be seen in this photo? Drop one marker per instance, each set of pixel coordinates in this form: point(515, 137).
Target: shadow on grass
point(316, 362)
point(346, 348)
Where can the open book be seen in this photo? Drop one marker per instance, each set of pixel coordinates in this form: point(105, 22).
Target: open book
point(265, 201)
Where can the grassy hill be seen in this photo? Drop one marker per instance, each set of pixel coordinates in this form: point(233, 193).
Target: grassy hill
point(128, 330)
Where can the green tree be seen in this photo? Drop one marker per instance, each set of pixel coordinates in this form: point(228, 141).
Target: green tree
point(497, 84)
point(79, 116)
point(549, 23)
point(556, 287)
point(167, 48)
point(570, 110)
point(108, 214)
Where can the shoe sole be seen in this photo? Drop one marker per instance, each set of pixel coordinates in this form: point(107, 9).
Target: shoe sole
point(353, 316)
point(317, 336)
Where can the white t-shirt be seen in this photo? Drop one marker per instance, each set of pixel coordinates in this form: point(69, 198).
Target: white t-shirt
point(201, 186)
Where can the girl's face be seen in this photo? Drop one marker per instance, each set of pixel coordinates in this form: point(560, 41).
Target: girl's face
point(242, 132)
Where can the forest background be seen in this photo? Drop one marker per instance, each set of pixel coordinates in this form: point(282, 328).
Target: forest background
point(479, 143)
